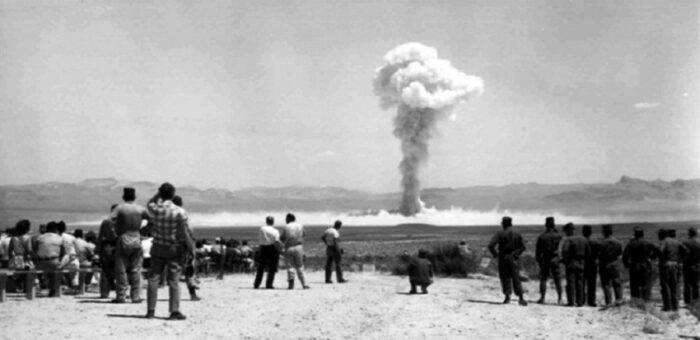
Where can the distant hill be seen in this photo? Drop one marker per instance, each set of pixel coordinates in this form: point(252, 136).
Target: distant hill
point(625, 196)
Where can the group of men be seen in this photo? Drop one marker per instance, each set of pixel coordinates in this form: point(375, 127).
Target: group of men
point(289, 242)
point(121, 252)
point(585, 259)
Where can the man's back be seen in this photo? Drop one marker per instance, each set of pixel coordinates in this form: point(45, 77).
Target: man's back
point(83, 250)
point(693, 246)
point(509, 243)
point(128, 217)
point(169, 221)
point(639, 250)
point(330, 236)
point(547, 244)
point(293, 234)
point(49, 245)
point(420, 271)
point(610, 250)
point(577, 249)
point(671, 250)
point(268, 235)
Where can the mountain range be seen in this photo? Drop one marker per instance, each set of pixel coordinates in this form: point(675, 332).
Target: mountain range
point(626, 196)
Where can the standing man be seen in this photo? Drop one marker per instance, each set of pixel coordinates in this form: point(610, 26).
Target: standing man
point(269, 257)
point(691, 268)
point(637, 258)
point(331, 237)
point(293, 239)
point(574, 254)
point(590, 267)
point(105, 249)
point(171, 239)
point(671, 256)
point(127, 218)
point(508, 245)
point(548, 259)
point(609, 265)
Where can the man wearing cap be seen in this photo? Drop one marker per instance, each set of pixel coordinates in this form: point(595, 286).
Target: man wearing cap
point(105, 249)
point(171, 239)
point(691, 268)
point(574, 253)
point(637, 258)
point(548, 258)
point(331, 237)
point(128, 218)
point(672, 254)
point(609, 265)
point(590, 267)
point(508, 245)
point(269, 256)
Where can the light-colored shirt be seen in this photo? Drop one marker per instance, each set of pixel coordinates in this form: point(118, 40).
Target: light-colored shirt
point(5, 247)
point(127, 218)
point(146, 245)
point(49, 245)
point(84, 250)
point(292, 234)
point(69, 243)
point(268, 235)
point(330, 236)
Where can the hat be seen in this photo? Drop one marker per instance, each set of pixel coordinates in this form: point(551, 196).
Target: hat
point(129, 193)
point(549, 221)
point(507, 221)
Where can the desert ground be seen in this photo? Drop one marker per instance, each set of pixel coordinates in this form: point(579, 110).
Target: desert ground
point(371, 306)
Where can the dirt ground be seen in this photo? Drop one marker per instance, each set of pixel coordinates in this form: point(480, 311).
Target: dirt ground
point(370, 306)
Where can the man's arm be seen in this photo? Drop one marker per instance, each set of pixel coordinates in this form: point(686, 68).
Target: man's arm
point(539, 249)
point(519, 246)
point(184, 233)
point(492, 245)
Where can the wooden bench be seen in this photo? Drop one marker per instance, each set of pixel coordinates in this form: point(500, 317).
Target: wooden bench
point(31, 275)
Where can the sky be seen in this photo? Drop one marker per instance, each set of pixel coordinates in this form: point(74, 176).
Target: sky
point(236, 94)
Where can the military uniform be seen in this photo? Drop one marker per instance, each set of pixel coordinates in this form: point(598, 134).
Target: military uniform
point(637, 258)
point(670, 258)
point(106, 247)
point(691, 270)
point(609, 268)
point(590, 271)
point(508, 245)
point(548, 260)
point(574, 252)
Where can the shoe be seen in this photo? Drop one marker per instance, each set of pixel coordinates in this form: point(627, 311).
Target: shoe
point(118, 300)
point(522, 302)
point(307, 287)
point(195, 298)
point(137, 301)
point(270, 287)
point(177, 316)
point(150, 314)
point(343, 281)
point(506, 300)
point(329, 282)
point(412, 292)
point(104, 296)
point(540, 301)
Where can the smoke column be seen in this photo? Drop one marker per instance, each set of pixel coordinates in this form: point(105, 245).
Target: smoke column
point(425, 89)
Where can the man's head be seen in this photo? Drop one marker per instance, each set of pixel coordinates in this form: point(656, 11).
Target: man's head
point(61, 227)
point(42, 228)
point(638, 232)
point(607, 230)
point(337, 224)
point(177, 200)
point(692, 232)
point(22, 227)
point(422, 253)
point(90, 236)
point(549, 222)
point(269, 220)
point(587, 230)
point(166, 191)
point(290, 218)
point(78, 233)
point(671, 233)
point(52, 227)
point(662, 234)
point(569, 229)
point(506, 222)
point(129, 194)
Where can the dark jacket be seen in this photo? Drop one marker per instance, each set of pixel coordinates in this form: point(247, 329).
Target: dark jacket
point(610, 251)
point(639, 251)
point(673, 252)
point(575, 251)
point(693, 247)
point(507, 244)
point(547, 245)
point(420, 271)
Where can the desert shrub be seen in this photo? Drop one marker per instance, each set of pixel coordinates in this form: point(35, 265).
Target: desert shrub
point(446, 260)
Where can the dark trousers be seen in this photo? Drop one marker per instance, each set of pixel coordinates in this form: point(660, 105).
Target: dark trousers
point(547, 269)
point(691, 288)
point(509, 273)
point(333, 256)
point(269, 260)
point(423, 287)
point(611, 282)
point(574, 284)
point(108, 276)
point(590, 276)
point(668, 273)
point(173, 267)
point(640, 278)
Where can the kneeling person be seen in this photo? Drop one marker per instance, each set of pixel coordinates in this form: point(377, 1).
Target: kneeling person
point(420, 272)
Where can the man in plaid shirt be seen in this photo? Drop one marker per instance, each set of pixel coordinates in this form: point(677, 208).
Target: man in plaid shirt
point(171, 239)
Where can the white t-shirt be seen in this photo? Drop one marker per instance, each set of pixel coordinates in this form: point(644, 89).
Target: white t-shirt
point(331, 235)
point(268, 235)
point(146, 245)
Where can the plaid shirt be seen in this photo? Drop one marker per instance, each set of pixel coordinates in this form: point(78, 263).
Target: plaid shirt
point(170, 225)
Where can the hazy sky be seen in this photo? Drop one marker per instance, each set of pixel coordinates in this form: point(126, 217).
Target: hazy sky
point(272, 93)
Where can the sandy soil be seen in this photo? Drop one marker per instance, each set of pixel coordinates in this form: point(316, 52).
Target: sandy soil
point(370, 306)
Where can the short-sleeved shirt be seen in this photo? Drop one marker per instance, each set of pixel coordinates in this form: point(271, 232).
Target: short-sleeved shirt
point(268, 235)
point(128, 217)
point(508, 242)
point(610, 251)
point(331, 236)
point(169, 223)
point(693, 246)
point(293, 234)
point(49, 245)
point(547, 245)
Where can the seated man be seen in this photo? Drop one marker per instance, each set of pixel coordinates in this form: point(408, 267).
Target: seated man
point(420, 272)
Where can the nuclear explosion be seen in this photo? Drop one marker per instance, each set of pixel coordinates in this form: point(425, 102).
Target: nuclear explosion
point(425, 89)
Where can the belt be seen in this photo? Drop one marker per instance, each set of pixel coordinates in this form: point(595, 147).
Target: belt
point(48, 258)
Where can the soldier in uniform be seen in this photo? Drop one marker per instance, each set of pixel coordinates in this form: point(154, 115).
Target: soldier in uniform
point(590, 267)
point(508, 245)
point(672, 253)
point(548, 259)
point(609, 265)
point(691, 268)
point(575, 250)
point(105, 249)
point(637, 258)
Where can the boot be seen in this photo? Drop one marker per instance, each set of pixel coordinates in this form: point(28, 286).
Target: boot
point(193, 294)
point(328, 276)
point(506, 300)
point(521, 301)
point(291, 284)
